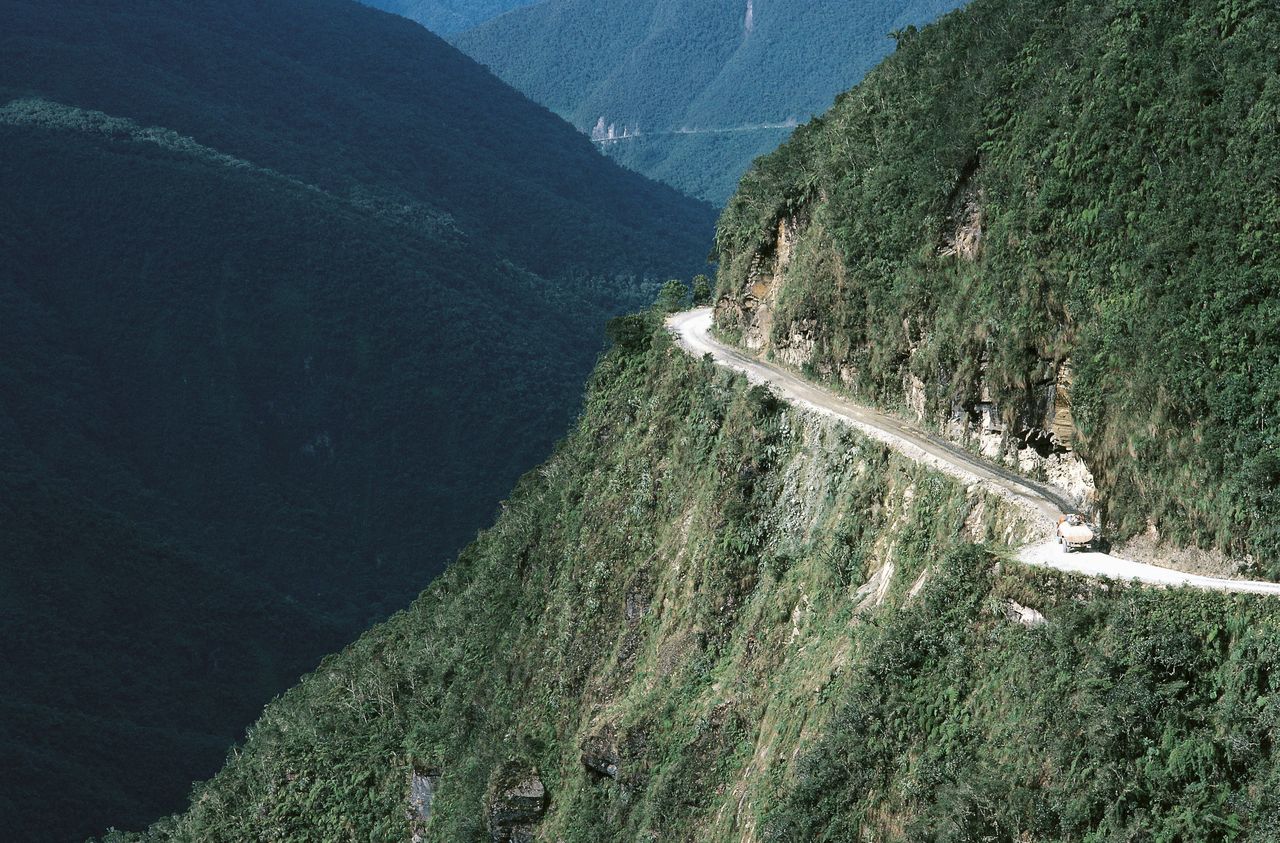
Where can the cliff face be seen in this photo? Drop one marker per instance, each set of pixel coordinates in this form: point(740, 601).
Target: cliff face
point(709, 617)
point(1030, 429)
point(1039, 229)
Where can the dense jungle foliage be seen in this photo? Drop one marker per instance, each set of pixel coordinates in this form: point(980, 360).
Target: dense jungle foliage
point(663, 65)
point(291, 294)
point(679, 591)
point(447, 17)
point(1123, 161)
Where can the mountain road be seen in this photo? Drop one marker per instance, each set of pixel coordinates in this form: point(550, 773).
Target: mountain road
point(692, 330)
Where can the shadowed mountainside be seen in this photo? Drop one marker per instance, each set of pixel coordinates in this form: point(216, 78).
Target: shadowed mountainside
point(292, 293)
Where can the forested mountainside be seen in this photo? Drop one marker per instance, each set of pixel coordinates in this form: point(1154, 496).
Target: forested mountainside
point(359, 103)
point(448, 17)
point(1054, 228)
point(665, 67)
point(292, 294)
point(710, 617)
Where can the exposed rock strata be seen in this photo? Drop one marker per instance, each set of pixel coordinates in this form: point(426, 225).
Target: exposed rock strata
point(1033, 433)
point(517, 800)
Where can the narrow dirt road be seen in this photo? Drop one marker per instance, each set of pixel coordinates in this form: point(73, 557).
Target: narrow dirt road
point(727, 130)
point(692, 329)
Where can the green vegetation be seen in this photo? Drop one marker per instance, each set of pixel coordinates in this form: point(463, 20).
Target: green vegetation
point(448, 16)
point(665, 65)
point(1132, 715)
point(292, 294)
point(678, 591)
point(673, 297)
point(701, 290)
point(1122, 161)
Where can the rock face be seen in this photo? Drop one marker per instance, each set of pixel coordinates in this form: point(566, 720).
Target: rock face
point(600, 756)
point(516, 802)
point(422, 792)
point(962, 235)
point(1024, 615)
point(753, 309)
point(1032, 432)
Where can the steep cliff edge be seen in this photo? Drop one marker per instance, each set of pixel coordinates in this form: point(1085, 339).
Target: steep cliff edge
point(1048, 230)
point(710, 617)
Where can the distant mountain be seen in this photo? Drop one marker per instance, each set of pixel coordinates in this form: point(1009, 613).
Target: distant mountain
point(448, 16)
point(290, 294)
point(359, 104)
point(707, 84)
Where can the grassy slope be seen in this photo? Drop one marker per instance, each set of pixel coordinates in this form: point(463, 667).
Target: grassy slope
point(682, 578)
point(1127, 166)
point(666, 64)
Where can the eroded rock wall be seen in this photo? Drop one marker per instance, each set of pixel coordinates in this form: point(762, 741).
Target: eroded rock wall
point(1030, 429)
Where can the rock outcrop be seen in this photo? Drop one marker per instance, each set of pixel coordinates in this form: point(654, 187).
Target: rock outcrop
point(422, 792)
point(516, 801)
point(1031, 430)
point(600, 755)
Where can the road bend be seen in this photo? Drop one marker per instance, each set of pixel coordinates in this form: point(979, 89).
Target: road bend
point(692, 330)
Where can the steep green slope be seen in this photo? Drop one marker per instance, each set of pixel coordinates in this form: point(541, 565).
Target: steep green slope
point(448, 17)
point(292, 294)
point(709, 617)
point(660, 66)
point(1053, 224)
